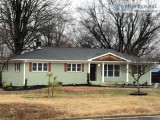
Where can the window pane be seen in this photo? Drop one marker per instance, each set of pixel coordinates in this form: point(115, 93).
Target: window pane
point(73, 65)
point(110, 73)
point(105, 67)
point(39, 66)
point(116, 67)
point(78, 67)
point(34, 68)
point(116, 73)
point(68, 67)
point(73, 69)
point(139, 69)
point(110, 67)
point(105, 73)
point(45, 67)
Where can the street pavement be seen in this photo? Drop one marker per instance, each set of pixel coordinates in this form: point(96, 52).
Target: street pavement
point(128, 118)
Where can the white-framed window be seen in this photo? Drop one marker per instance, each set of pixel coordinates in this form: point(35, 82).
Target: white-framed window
point(74, 67)
point(39, 67)
point(5, 67)
point(137, 69)
point(17, 67)
point(111, 70)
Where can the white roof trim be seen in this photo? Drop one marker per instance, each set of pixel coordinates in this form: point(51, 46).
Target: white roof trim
point(108, 54)
point(46, 60)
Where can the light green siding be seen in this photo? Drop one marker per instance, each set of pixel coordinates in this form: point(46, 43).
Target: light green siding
point(40, 78)
point(144, 78)
point(11, 76)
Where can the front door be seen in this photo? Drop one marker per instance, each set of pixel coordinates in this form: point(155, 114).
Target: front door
point(93, 72)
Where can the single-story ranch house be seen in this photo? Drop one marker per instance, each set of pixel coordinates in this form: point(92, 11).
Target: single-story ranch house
point(72, 66)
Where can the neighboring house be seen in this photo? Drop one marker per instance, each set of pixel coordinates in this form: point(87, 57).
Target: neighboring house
point(72, 66)
point(156, 74)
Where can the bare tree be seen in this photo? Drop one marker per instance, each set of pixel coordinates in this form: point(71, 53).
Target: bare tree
point(4, 56)
point(22, 19)
point(140, 66)
point(55, 32)
point(131, 33)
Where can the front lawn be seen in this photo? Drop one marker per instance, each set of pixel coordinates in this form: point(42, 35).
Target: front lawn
point(78, 102)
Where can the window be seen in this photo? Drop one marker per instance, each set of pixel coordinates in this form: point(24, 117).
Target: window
point(17, 66)
point(5, 67)
point(74, 67)
point(40, 67)
point(111, 70)
point(137, 69)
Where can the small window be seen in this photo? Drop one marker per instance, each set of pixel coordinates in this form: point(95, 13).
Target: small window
point(110, 70)
point(68, 67)
point(116, 71)
point(74, 67)
point(5, 67)
point(17, 67)
point(45, 67)
point(34, 68)
point(137, 69)
point(39, 66)
point(79, 67)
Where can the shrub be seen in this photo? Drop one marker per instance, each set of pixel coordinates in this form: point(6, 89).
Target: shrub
point(60, 83)
point(5, 85)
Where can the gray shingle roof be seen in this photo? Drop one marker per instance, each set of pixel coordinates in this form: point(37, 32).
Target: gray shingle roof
point(55, 53)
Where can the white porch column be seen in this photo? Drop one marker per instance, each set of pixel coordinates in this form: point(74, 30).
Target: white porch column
point(89, 64)
point(102, 72)
point(150, 82)
point(89, 71)
point(127, 72)
point(24, 74)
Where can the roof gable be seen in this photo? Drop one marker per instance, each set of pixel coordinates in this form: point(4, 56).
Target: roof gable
point(108, 57)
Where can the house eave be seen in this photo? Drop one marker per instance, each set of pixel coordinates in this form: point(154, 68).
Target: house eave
point(46, 60)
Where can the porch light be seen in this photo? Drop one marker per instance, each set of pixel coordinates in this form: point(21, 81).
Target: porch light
point(99, 65)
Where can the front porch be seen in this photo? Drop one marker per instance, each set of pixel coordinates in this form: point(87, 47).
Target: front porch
point(108, 68)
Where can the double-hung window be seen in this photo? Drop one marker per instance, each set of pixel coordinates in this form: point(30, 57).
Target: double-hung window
point(40, 67)
point(74, 67)
point(111, 70)
point(5, 67)
point(137, 69)
point(17, 67)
